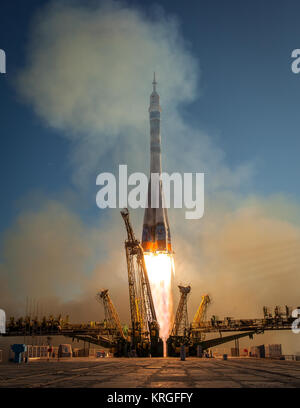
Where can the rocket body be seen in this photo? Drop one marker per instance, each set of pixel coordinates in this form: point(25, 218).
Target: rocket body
point(156, 231)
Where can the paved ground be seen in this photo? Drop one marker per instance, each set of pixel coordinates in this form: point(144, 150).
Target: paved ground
point(158, 372)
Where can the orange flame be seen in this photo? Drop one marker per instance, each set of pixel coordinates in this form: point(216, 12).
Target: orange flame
point(159, 267)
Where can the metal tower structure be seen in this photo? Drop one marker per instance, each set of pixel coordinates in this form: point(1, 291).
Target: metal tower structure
point(111, 316)
point(145, 329)
point(181, 322)
point(199, 318)
point(202, 309)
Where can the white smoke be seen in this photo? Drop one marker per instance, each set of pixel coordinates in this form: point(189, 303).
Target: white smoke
point(89, 72)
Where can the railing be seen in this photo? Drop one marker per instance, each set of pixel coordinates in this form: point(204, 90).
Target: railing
point(36, 351)
point(292, 357)
point(243, 325)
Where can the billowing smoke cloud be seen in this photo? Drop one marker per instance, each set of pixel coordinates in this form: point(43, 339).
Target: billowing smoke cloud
point(88, 75)
point(49, 255)
point(251, 257)
point(89, 67)
point(244, 258)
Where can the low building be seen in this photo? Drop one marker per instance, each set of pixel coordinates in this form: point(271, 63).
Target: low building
point(273, 350)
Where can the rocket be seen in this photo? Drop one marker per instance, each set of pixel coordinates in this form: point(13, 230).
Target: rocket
point(156, 235)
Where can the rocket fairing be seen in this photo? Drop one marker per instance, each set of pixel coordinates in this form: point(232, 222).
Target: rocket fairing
point(156, 231)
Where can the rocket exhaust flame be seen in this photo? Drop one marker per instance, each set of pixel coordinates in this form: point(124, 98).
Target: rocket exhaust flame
point(159, 267)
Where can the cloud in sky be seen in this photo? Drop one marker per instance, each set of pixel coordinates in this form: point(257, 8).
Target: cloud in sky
point(90, 67)
point(50, 255)
point(88, 74)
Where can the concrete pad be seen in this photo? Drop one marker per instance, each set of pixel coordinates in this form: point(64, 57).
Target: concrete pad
point(168, 384)
point(217, 384)
point(266, 384)
point(162, 372)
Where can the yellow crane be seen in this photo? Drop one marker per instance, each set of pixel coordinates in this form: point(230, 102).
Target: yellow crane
point(144, 326)
point(197, 333)
point(111, 315)
point(201, 312)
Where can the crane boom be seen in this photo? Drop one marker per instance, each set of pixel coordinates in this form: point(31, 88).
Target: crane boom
point(181, 318)
point(201, 312)
point(111, 315)
point(134, 248)
point(145, 327)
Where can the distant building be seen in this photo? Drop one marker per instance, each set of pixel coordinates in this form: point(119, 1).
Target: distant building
point(273, 350)
point(266, 351)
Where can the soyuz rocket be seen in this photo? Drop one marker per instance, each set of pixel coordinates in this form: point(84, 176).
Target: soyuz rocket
point(156, 236)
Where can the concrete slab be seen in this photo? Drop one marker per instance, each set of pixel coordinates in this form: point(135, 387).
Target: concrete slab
point(156, 373)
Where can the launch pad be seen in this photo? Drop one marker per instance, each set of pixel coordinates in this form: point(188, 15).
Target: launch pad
point(153, 373)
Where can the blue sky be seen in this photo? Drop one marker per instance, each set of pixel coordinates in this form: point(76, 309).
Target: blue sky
point(248, 100)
